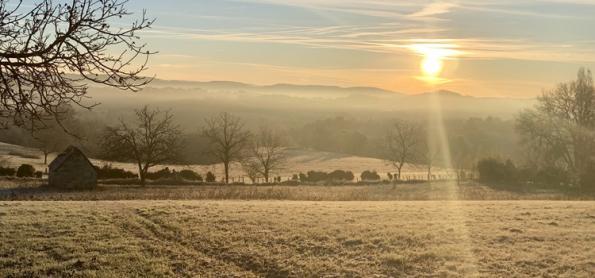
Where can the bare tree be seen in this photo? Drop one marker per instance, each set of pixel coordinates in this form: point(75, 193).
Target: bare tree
point(562, 125)
point(429, 152)
point(50, 52)
point(152, 140)
point(464, 154)
point(402, 143)
point(250, 167)
point(266, 153)
point(228, 139)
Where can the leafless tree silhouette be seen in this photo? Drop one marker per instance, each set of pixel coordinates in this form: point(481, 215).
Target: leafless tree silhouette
point(266, 153)
point(52, 51)
point(402, 143)
point(429, 152)
point(153, 140)
point(228, 138)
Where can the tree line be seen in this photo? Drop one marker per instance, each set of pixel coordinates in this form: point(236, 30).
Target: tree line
point(154, 139)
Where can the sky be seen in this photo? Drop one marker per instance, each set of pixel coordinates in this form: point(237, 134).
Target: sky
point(502, 48)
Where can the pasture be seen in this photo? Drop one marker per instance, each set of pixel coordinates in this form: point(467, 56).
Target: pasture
point(297, 238)
point(33, 190)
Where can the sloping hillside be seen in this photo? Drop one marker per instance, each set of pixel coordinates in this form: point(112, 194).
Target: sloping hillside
point(299, 160)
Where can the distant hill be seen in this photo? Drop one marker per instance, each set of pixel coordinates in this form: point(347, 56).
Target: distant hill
point(277, 89)
point(291, 104)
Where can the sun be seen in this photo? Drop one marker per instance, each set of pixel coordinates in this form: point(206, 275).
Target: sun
point(432, 65)
point(433, 58)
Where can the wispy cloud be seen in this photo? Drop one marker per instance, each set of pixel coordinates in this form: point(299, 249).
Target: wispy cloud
point(341, 36)
point(435, 8)
point(390, 39)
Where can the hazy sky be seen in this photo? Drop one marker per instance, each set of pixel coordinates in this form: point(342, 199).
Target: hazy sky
point(489, 48)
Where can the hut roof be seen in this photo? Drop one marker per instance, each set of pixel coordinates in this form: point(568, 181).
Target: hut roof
point(64, 156)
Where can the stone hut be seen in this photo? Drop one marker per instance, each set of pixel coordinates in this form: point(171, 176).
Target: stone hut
point(72, 169)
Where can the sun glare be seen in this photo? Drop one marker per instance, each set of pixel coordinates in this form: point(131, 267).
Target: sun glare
point(431, 66)
point(434, 55)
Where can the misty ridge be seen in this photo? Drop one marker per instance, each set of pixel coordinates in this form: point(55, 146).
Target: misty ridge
point(348, 121)
point(286, 104)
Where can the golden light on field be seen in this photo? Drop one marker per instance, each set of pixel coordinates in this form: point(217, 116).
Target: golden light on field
point(433, 57)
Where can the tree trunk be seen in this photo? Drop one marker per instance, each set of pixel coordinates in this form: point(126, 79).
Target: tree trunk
point(45, 161)
point(141, 175)
point(266, 176)
point(429, 172)
point(226, 165)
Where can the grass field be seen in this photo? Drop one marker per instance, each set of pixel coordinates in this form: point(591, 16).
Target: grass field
point(30, 190)
point(293, 238)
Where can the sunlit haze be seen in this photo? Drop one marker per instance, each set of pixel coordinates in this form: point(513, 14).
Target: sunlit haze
point(480, 48)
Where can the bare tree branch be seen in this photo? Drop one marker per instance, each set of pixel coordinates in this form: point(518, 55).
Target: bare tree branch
point(402, 143)
point(50, 53)
point(153, 140)
point(265, 155)
point(228, 139)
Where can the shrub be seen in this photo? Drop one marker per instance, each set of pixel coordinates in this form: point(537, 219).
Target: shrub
point(303, 177)
point(190, 175)
point(316, 176)
point(164, 173)
point(210, 177)
point(370, 176)
point(25, 171)
point(7, 171)
point(340, 175)
point(108, 172)
point(496, 171)
point(552, 176)
point(39, 174)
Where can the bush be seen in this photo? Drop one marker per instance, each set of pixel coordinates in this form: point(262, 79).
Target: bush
point(315, 176)
point(25, 171)
point(164, 173)
point(495, 171)
point(210, 177)
point(190, 175)
point(340, 175)
point(39, 174)
point(108, 172)
point(303, 177)
point(370, 176)
point(552, 176)
point(7, 171)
